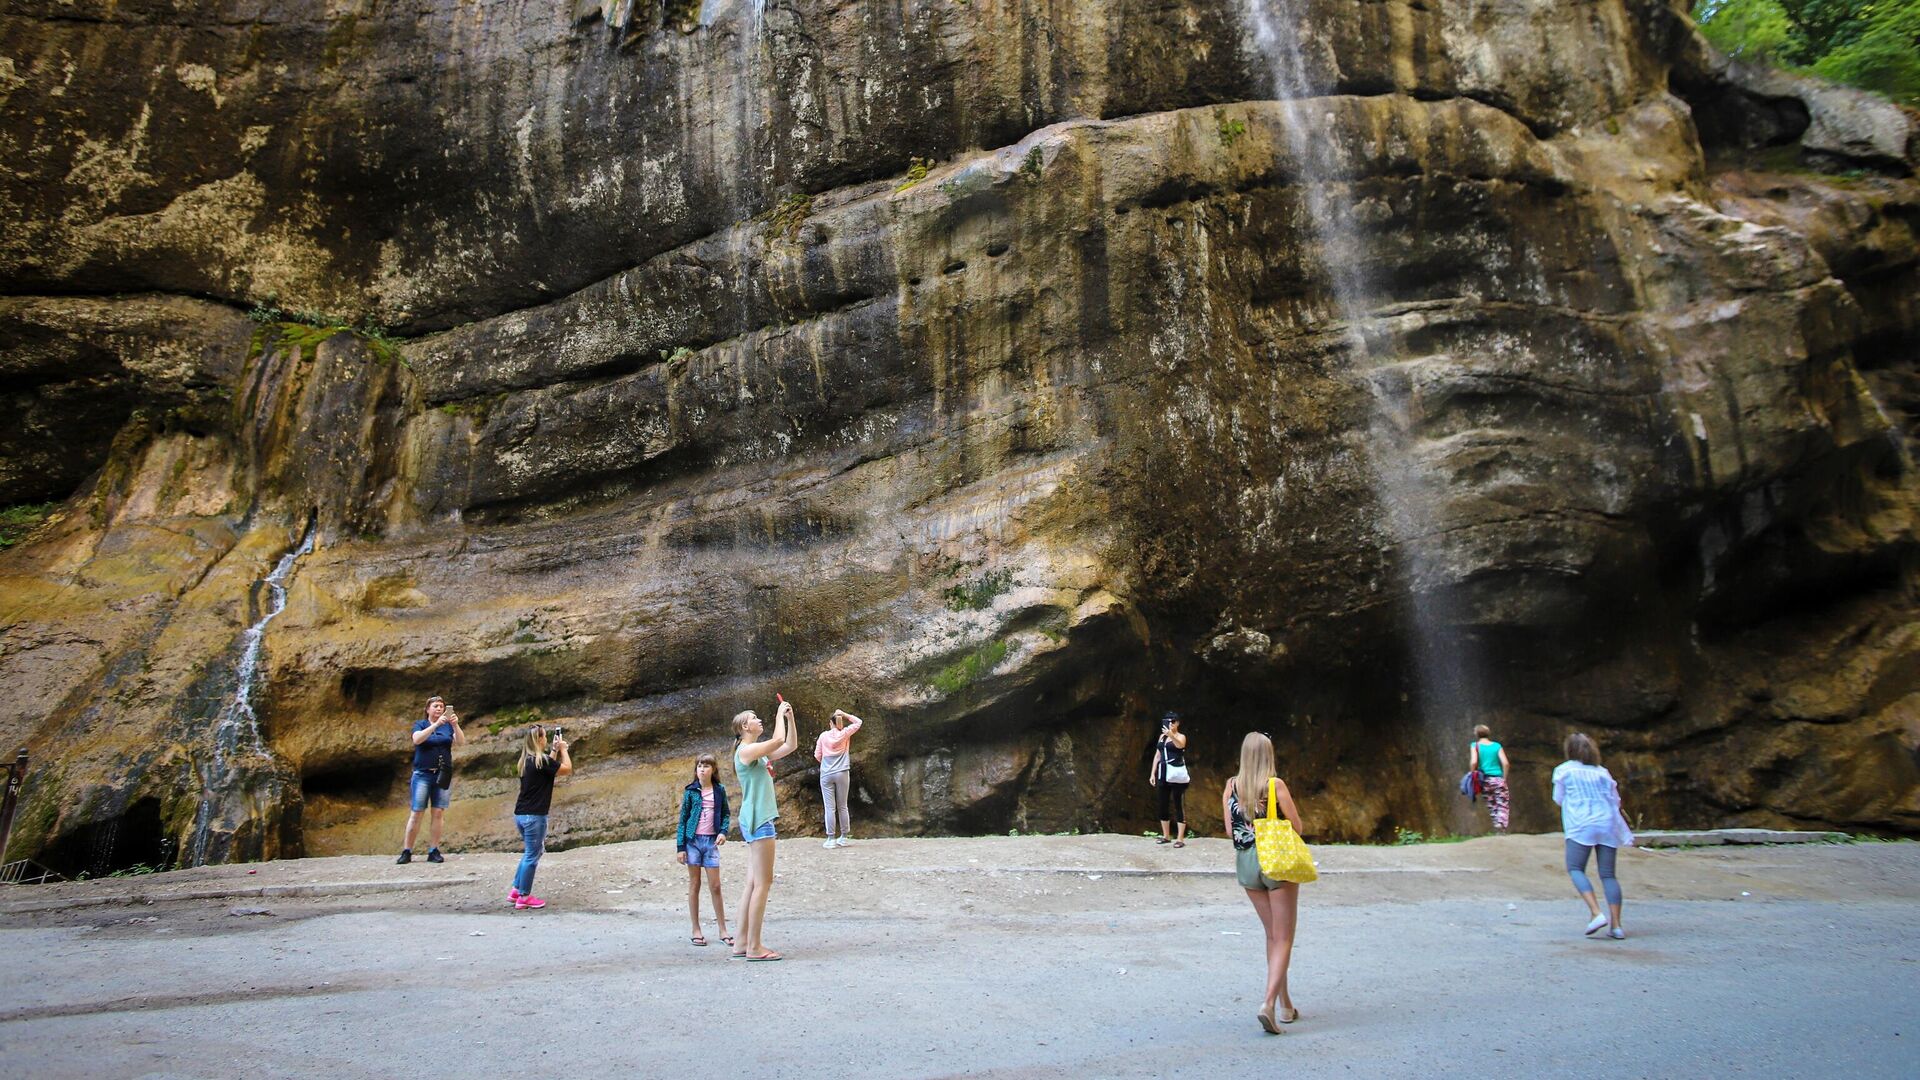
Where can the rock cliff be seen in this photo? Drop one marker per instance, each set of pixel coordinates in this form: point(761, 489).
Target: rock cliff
point(1005, 372)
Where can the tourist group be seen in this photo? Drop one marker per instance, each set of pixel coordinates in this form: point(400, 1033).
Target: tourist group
point(1257, 810)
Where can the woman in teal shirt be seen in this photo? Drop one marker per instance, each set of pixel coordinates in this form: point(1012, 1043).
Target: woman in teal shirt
point(757, 813)
point(1491, 759)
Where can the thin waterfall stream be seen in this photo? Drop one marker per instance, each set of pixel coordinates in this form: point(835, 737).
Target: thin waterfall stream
point(1449, 693)
point(236, 735)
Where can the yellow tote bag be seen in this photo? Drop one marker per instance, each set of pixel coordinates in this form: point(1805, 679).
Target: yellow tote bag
point(1283, 855)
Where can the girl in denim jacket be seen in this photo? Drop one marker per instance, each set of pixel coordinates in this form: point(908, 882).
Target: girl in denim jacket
point(703, 828)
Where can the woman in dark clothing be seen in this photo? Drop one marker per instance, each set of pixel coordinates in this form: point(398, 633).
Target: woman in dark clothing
point(1169, 775)
point(540, 765)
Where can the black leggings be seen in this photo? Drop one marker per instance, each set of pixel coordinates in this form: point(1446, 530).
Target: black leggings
point(1173, 797)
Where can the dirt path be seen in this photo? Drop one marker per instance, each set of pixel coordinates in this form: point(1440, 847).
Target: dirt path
point(1029, 956)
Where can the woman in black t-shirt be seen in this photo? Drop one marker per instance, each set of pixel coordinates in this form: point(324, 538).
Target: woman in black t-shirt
point(540, 764)
point(1169, 775)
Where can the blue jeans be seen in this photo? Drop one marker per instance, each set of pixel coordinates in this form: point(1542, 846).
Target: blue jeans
point(533, 833)
point(425, 790)
point(1577, 869)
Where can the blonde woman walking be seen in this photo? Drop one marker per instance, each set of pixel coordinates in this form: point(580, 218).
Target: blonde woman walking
point(1276, 902)
point(757, 814)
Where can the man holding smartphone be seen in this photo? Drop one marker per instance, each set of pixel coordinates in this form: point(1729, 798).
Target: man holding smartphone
point(433, 741)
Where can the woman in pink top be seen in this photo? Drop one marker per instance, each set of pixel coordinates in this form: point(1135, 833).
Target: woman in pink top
point(836, 774)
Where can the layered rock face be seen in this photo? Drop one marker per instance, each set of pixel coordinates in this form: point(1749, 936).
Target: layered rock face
point(983, 369)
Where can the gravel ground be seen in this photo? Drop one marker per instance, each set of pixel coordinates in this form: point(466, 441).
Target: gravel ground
point(996, 956)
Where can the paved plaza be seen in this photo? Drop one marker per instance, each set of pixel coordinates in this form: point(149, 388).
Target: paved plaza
point(1002, 957)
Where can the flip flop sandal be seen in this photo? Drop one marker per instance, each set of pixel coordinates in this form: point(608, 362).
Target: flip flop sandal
point(726, 939)
point(698, 940)
point(737, 955)
point(767, 957)
point(1290, 1016)
point(1179, 843)
point(1267, 1023)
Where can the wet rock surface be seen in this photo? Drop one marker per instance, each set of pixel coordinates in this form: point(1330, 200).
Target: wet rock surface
point(975, 369)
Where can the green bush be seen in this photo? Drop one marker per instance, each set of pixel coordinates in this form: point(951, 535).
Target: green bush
point(1870, 44)
point(978, 594)
point(19, 520)
point(975, 665)
point(917, 169)
point(1885, 58)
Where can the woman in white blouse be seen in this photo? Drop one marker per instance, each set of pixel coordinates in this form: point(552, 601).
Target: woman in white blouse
point(1590, 816)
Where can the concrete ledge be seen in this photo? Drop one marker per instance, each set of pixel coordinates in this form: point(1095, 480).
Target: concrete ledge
point(1711, 837)
point(318, 888)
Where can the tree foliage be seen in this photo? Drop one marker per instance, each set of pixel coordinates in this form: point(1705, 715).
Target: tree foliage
point(1872, 44)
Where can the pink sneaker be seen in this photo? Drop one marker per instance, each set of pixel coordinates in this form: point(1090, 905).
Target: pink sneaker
point(528, 901)
point(513, 894)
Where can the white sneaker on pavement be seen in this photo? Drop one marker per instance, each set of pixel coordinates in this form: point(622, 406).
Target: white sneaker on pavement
point(1598, 924)
point(829, 843)
point(842, 842)
point(1617, 934)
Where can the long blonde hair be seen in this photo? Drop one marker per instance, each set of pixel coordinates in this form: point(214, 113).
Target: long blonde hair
point(1256, 767)
point(534, 748)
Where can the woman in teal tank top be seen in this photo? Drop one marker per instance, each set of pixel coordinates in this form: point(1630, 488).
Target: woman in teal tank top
point(1491, 759)
point(757, 813)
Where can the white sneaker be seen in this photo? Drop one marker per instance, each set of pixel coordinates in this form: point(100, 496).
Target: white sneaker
point(842, 842)
point(1617, 934)
point(1598, 924)
point(829, 843)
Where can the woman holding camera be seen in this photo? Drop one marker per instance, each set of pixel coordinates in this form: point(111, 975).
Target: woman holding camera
point(834, 751)
point(540, 765)
point(757, 813)
point(433, 741)
point(1169, 775)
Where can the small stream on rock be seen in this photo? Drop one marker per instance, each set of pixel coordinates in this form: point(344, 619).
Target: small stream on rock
point(1405, 484)
point(236, 736)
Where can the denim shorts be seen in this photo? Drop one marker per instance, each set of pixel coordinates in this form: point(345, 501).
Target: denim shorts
point(764, 832)
point(425, 788)
point(702, 851)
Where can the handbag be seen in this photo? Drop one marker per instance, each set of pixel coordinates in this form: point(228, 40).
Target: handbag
point(1169, 772)
point(1283, 855)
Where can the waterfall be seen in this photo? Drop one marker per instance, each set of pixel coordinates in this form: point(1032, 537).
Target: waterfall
point(236, 735)
point(1405, 486)
point(743, 99)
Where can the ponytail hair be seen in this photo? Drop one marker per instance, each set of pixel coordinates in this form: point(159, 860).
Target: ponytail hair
point(533, 749)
